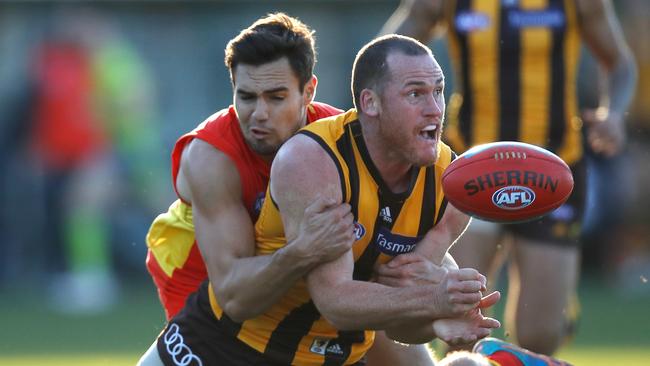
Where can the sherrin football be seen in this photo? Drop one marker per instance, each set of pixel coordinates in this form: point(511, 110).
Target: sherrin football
point(507, 182)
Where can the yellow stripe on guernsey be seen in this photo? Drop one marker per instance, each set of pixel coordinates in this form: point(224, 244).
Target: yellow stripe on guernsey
point(387, 224)
point(515, 66)
point(483, 71)
point(535, 83)
point(174, 226)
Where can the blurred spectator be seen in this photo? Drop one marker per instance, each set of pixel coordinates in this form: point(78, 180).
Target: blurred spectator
point(71, 147)
point(94, 143)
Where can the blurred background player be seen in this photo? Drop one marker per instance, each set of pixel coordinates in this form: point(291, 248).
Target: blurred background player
point(220, 172)
point(515, 69)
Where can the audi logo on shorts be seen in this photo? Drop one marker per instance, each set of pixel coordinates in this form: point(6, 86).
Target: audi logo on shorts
point(513, 197)
point(181, 354)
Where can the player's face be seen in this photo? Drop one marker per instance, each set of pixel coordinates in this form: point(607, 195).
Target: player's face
point(413, 108)
point(269, 104)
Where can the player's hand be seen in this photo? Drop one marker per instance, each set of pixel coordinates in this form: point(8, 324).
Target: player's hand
point(407, 270)
point(459, 292)
point(605, 131)
point(326, 231)
point(465, 329)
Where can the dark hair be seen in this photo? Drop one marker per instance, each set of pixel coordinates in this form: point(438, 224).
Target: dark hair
point(270, 38)
point(370, 69)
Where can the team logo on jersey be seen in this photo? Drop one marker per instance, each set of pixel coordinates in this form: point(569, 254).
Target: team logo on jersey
point(470, 21)
point(319, 345)
point(394, 244)
point(513, 197)
point(257, 205)
point(359, 230)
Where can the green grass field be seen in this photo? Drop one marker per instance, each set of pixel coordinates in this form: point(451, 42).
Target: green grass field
point(614, 330)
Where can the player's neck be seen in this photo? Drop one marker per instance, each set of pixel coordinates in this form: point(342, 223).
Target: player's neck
point(394, 171)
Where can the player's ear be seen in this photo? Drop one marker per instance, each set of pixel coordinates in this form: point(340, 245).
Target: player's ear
point(369, 103)
point(309, 90)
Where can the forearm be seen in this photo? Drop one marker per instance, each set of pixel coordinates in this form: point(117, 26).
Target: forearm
point(621, 85)
point(367, 305)
point(438, 240)
point(254, 284)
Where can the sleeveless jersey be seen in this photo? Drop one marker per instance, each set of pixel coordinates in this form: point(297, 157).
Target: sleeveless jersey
point(172, 249)
point(386, 224)
point(515, 74)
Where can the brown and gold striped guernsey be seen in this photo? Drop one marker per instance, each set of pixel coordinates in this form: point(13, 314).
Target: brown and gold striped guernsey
point(387, 224)
point(516, 64)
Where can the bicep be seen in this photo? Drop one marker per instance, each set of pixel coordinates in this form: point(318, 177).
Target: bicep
point(222, 226)
point(301, 173)
point(296, 183)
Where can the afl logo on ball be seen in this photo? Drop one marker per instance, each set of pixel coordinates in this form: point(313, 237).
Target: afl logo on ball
point(513, 197)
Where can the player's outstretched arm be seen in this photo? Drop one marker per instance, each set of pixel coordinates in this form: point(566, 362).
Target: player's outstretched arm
point(346, 303)
point(247, 285)
point(430, 263)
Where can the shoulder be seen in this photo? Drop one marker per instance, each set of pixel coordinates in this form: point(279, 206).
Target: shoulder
point(329, 128)
point(303, 168)
point(318, 110)
point(298, 152)
point(205, 169)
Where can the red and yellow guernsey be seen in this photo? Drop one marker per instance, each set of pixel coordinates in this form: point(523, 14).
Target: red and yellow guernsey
point(174, 259)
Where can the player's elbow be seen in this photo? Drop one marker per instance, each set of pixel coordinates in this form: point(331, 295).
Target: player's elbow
point(337, 317)
point(237, 312)
point(340, 321)
point(234, 306)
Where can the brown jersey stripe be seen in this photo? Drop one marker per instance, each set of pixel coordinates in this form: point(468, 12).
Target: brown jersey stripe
point(283, 343)
point(345, 340)
point(467, 109)
point(443, 204)
point(558, 114)
point(345, 147)
point(428, 209)
point(509, 79)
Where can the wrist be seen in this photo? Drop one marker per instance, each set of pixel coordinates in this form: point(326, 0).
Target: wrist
point(292, 256)
point(609, 115)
